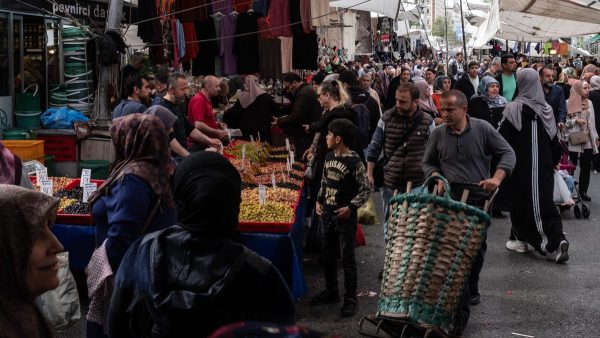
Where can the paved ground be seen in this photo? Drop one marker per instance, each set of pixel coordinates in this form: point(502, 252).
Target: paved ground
point(522, 294)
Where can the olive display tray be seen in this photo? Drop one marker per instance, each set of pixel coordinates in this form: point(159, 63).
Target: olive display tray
point(77, 219)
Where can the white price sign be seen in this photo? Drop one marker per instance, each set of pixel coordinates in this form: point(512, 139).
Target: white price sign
point(243, 151)
point(251, 138)
point(292, 161)
point(41, 175)
point(258, 136)
point(46, 187)
point(86, 174)
point(287, 144)
point(262, 194)
point(88, 189)
point(273, 180)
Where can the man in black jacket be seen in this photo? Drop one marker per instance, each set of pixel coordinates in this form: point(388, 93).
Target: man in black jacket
point(305, 109)
point(360, 96)
point(469, 81)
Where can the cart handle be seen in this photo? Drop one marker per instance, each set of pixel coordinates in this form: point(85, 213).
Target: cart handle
point(36, 88)
point(437, 178)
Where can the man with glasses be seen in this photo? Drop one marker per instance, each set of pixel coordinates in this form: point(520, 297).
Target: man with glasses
point(469, 81)
point(461, 150)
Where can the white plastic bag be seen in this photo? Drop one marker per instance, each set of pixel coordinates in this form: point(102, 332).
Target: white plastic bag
point(561, 195)
point(61, 305)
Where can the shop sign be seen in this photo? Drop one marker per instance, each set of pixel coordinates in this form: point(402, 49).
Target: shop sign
point(96, 11)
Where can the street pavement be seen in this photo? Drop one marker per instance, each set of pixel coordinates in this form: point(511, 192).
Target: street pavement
point(522, 295)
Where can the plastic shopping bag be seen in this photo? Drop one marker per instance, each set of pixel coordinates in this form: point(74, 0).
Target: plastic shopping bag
point(367, 213)
point(561, 195)
point(61, 118)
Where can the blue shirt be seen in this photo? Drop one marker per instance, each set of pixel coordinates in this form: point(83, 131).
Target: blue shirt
point(121, 215)
point(126, 107)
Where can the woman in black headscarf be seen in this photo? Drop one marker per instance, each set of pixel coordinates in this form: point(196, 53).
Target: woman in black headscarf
point(194, 277)
point(29, 264)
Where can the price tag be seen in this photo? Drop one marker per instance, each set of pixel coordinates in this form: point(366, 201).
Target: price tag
point(243, 152)
point(88, 189)
point(273, 180)
point(86, 174)
point(288, 165)
point(262, 194)
point(292, 158)
point(287, 144)
point(41, 175)
point(46, 187)
point(251, 138)
point(258, 136)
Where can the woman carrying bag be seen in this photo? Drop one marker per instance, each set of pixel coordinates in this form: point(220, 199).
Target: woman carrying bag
point(581, 133)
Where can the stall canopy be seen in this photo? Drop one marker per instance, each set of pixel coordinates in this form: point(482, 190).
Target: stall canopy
point(389, 8)
point(574, 10)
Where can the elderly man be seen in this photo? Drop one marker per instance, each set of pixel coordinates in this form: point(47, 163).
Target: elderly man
point(200, 112)
point(461, 150)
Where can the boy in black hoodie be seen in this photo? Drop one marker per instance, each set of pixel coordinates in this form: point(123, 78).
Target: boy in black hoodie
point(344, 188)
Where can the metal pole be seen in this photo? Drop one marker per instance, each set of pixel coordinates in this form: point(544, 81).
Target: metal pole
point(462, 25)
point(113, 23)
point(446, 29)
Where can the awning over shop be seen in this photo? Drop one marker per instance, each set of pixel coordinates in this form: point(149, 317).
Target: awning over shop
point(389, 8)
point(595, 38)
point(573, 10)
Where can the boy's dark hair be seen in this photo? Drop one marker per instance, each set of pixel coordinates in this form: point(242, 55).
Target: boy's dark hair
point(345, 129)
point(505, 57)
point(291, 77)
point(131, 81)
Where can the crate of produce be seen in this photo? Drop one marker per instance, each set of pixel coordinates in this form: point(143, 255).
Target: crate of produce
point(27, 150)
point(72, 209)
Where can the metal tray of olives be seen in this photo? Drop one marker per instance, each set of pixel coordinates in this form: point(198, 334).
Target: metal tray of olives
point(76, 219)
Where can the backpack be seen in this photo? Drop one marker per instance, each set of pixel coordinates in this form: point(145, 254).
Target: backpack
point(363, 124)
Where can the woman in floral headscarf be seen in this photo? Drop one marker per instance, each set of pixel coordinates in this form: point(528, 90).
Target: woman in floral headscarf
point(136, 199)
point(580, 118)
point(488, 104)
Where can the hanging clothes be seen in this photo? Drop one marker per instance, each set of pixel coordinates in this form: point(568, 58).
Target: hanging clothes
point(217, 18)
point(228, 25)
point(264, 30)
point(279, 18)
point(296, 17)
point(563, 49)
point(286, 54)
point(175, 45)
point(555, 45)
point(269, 52)
point(146, 10)
point(161, 52)
point(222, 6)
point(547, 47)
point(242, 6)
point(261, 6)
point(191, 46)
point(305, 51)
point(205, 30)
point(199, 13)
point(305, 16)
point(246, 47)
point(319, 10)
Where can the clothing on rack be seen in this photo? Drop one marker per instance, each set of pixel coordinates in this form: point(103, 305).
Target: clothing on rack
point(205, 30)
point(296, 17)
point(305, 15)
point(305, 51)
point(180, 39)
point(175, 45)
point(269, 52)
point(200, 13)
point(261, 6)
point(319, 10)
point(217, 18)
point(191, 46)
point(146, 10)
point(242, 6)
point(279, 18)
point(286, 54)
point(245, 47)
point(263, 28)
point(221, 6)
point(228, 25)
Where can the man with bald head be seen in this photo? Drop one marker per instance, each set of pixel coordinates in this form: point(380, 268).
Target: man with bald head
point(200, 111)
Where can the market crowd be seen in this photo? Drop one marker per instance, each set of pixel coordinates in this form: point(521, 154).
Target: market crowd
point(171, 265)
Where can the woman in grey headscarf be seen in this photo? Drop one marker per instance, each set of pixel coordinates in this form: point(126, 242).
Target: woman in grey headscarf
point(488, 103)
point(529, 127)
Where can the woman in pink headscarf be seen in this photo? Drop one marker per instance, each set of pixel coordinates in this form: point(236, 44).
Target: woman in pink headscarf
point(426, 103)
point(580, 118)
point(253, 111)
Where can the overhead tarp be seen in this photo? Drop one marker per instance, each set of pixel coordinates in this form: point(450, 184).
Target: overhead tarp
point(573, 10)
point(489, 27)
point(387, 8)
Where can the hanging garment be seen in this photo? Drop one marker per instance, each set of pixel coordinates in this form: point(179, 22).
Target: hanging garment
point(191, 46)
point(180, 39)
point(205, 30)
point(319, 10)
point(217, 18)
point(547, 47)
point(175, 45)
point(295, 17)
point(269, 52)
point(242, 6)
point(527, 47)
point(228, 25)
point(279, 18)
point(264, 30)
point(199, 13)
point(305, 16)
point(563, 49)
point(146, 10)
point(555, 45)
point(305, 51)
point(222, 6)
point(286, 54)
point(246, 47)
point(261, 6)
point(538, 47)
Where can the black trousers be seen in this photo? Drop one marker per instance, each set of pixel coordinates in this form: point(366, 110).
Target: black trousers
point(339, 233)
point(585, 167)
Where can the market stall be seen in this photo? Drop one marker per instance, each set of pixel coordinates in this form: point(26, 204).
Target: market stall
point(271, 212)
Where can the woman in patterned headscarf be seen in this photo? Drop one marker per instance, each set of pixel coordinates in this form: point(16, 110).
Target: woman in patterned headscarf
point(29, 264)
point(11, 169)
point(136, 199)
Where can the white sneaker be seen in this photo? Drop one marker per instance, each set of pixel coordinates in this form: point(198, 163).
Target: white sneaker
point(562, 254)
point(517, 246)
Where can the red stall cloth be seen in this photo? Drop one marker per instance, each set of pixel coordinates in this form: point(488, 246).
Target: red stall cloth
point(191, 46)
point(241, 6)
point(279, 18)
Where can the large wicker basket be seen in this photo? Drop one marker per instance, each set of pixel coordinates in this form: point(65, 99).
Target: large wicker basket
point(432, 244)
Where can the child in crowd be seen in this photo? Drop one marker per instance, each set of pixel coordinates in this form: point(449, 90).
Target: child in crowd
point(344, 188)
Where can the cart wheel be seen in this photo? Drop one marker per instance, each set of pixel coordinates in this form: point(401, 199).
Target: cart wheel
point(577, 212)
point(585, 211)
